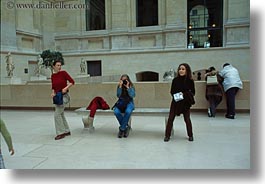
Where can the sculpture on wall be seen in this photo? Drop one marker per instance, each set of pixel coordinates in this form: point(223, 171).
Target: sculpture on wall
point(39, 66)
point(169, 75)
point(9, 65)
point(83, 66)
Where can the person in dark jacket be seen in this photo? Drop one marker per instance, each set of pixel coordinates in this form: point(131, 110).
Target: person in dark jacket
point(214, 93)
point(182, 83)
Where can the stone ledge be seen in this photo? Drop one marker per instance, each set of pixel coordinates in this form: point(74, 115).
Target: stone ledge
point(136, 111)
point(148, 95)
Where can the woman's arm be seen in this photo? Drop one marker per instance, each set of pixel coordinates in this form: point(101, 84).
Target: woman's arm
point(64, 90)
point(173, 87)
point(6, 136)
point(131, 92)
point(70, 84)
point(53, 93)
point(192, 87)
point(119, 91)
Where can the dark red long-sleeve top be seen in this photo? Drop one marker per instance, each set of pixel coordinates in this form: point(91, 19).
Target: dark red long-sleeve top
point(59, 80)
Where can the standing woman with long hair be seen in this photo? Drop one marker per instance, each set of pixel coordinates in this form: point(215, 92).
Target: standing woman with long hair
point(125, 105)
point(213, 92)
point(61, 82)
point(184, 84)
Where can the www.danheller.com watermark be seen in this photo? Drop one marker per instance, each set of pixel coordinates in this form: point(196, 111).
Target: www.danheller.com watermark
point(45, 5)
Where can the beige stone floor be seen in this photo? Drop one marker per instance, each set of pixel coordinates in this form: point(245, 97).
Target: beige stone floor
point(219, 143)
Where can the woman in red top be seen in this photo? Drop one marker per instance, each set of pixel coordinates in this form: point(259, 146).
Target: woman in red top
point(59, 84)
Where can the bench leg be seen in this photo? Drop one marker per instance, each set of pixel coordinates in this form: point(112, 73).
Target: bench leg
point(130, 122)
point(88, 123)
point(172, 131)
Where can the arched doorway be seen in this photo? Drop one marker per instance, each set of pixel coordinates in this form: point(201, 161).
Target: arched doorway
point(147, 76)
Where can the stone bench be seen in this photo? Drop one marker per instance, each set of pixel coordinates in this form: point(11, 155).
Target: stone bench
point(137, 112)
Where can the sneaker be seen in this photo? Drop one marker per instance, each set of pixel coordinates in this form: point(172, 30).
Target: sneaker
point(120, 134)
point(58, 137)
point(127, 131)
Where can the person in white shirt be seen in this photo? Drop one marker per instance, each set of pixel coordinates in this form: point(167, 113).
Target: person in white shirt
point(231, 84)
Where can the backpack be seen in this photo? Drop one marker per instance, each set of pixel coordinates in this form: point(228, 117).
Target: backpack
point(122, 103)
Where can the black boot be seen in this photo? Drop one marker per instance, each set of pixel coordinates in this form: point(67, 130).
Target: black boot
point(127, 131)
point(120, 134)
point(230, 116)
point(166, 139)
point(191, 138)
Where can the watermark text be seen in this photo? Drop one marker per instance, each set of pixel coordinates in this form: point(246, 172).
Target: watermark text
point(46, 5)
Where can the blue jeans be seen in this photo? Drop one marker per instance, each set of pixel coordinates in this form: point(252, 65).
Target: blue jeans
point(123, 118)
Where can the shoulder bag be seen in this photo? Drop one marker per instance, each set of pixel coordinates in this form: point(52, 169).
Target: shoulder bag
point(58, 98)
point(212, 80)
point(122, 103)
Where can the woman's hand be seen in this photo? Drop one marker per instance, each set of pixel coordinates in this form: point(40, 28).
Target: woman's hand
point(12, 151)
point(53, 94)
point(120, 83)
point(127, 85)
point(64, 90)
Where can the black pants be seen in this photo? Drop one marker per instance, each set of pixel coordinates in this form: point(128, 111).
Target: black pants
point(170, 121)
point(230, 100)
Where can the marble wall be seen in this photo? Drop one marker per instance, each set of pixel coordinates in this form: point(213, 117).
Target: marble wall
point(122, 47)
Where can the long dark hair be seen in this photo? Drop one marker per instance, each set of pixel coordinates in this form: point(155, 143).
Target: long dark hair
point(124, 90)
point(188, 71)
point(210, 69)
point(128, 78)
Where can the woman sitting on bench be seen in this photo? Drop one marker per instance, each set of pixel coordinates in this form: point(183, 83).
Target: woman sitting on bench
point(125, 105)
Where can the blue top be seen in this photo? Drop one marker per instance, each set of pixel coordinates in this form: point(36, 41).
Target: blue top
point(130, 92)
